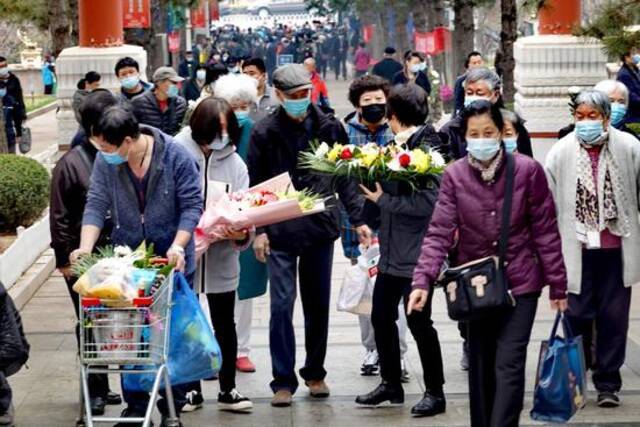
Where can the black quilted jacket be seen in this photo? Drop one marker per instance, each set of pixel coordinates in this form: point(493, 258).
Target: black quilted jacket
point(147, 111)
point(14, 348)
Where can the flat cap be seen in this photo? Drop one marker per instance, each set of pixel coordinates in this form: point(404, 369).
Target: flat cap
point(291, 78)
point(166, 73)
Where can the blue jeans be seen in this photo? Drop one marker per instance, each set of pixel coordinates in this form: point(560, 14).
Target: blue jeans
point(315, 289)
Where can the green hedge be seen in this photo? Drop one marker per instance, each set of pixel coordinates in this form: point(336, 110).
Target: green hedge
point(24, 191)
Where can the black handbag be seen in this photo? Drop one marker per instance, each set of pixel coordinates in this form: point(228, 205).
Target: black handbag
point(480, 287)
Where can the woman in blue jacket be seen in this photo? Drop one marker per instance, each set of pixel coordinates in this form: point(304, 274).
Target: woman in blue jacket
point(152, 188)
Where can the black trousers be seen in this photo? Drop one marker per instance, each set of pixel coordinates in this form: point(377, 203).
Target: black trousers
point(387, 293)
point(221, 307)
point(497, 358)
point(602, 306)
point(98, 383)
point(5, 394)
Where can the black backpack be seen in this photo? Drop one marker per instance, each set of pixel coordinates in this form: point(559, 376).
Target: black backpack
point(14, 348)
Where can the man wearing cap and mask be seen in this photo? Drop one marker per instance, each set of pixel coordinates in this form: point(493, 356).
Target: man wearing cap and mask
point(162, 107)
point(275, 144)
point(388, 66)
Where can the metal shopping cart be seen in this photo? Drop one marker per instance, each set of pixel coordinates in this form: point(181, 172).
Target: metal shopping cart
point(132, 340)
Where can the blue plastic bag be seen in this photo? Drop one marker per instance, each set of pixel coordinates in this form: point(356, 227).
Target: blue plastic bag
point(561, 378)
point(194, 353)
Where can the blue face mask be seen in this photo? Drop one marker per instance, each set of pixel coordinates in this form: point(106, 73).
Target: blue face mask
point(510, 144)
point(173, 91)
point(636, 59)
point(589, 131)
point(3, 92)
point(130, 82)
point(483, 148)
point(618, 111)
point(296, 108)
point(220, 143)
point(113, 158)
point(243, 117)
point(470, 99)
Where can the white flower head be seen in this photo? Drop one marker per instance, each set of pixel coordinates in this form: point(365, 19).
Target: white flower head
point(122, 251)
point(437, 160)
point(394, 165)
point(322, 150)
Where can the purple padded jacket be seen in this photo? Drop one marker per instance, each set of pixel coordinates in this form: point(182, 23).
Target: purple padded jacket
point(474, 208)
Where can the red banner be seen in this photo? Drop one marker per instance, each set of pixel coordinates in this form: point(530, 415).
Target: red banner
point(433, 43)
point(136, 14)
point(199, 17)
point(367, 33)
point(425, 42)
point(214, 10)
point(173, 38)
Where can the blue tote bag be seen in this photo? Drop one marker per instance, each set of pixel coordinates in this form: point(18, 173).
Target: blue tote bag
point(194, 353)
point(561, 378)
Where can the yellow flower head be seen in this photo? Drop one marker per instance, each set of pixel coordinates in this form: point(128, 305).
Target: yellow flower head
point(334, 153)
point(420, 160)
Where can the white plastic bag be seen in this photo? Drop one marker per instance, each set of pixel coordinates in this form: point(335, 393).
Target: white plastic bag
point(356, 293)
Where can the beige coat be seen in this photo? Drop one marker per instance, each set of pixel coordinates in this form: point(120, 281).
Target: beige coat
point(561, 173)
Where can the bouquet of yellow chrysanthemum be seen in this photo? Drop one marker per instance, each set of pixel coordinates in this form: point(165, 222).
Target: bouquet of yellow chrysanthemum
point(371, 163)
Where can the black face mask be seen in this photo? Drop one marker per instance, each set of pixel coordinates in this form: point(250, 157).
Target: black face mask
point(373, 113)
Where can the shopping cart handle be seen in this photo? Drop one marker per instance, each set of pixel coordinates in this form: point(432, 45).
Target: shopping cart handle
point(90, 302)
point(143, 301)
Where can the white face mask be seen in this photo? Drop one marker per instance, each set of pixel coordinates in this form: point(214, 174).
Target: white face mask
point(469, 99)
point(4, 71)
point(201, 75)
point(220, 143)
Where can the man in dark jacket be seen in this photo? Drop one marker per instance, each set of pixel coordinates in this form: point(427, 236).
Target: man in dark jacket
point(12, 82)
point(276, 142)
point(127, 71)
point(12, 116)
point(629, 75)
point(474, 60)
point(480, 83)
point(403, 217)
point(162, 107)
point(388, 67)
point(69, 186)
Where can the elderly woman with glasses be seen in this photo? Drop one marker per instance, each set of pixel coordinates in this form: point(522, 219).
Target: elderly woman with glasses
point(593, 174)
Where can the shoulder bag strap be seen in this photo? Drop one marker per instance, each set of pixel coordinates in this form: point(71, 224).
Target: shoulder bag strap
point(506, 210)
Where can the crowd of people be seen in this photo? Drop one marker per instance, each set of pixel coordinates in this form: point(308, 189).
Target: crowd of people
point(145, 161)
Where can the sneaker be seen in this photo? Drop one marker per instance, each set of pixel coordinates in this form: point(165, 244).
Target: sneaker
point(6, 419)
point(173, 423)
point(244, 364)
point(429, 406)
point(194, 401)
point(282, 399)
point(608, 399)
point(464, 361)
point(404, 374)
point(370, 365)
point(384, 393)
point(113, 398)
point(97, 405)
point(233, 401)
point(317, 388)
point(130, 413)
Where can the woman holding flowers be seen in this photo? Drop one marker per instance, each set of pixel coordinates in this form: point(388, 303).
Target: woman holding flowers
point(241, 92)
point(469, 205)
point(211, 139)
point(402, 214)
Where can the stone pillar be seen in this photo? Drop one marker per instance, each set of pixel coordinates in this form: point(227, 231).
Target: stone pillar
point(101, 45)
point(547, 65)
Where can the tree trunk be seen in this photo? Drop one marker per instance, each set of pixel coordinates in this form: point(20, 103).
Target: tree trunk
point(59, 25)
point(401, 14)
point(508, 37)
point(75, 24)
point(463, 33)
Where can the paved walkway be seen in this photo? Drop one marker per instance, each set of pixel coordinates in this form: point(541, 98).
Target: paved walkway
point(46, 393)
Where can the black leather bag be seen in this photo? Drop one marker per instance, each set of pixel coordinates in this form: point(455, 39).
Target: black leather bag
point(480, 287)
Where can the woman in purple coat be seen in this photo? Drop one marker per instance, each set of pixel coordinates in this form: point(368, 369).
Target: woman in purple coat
point(470, 205)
